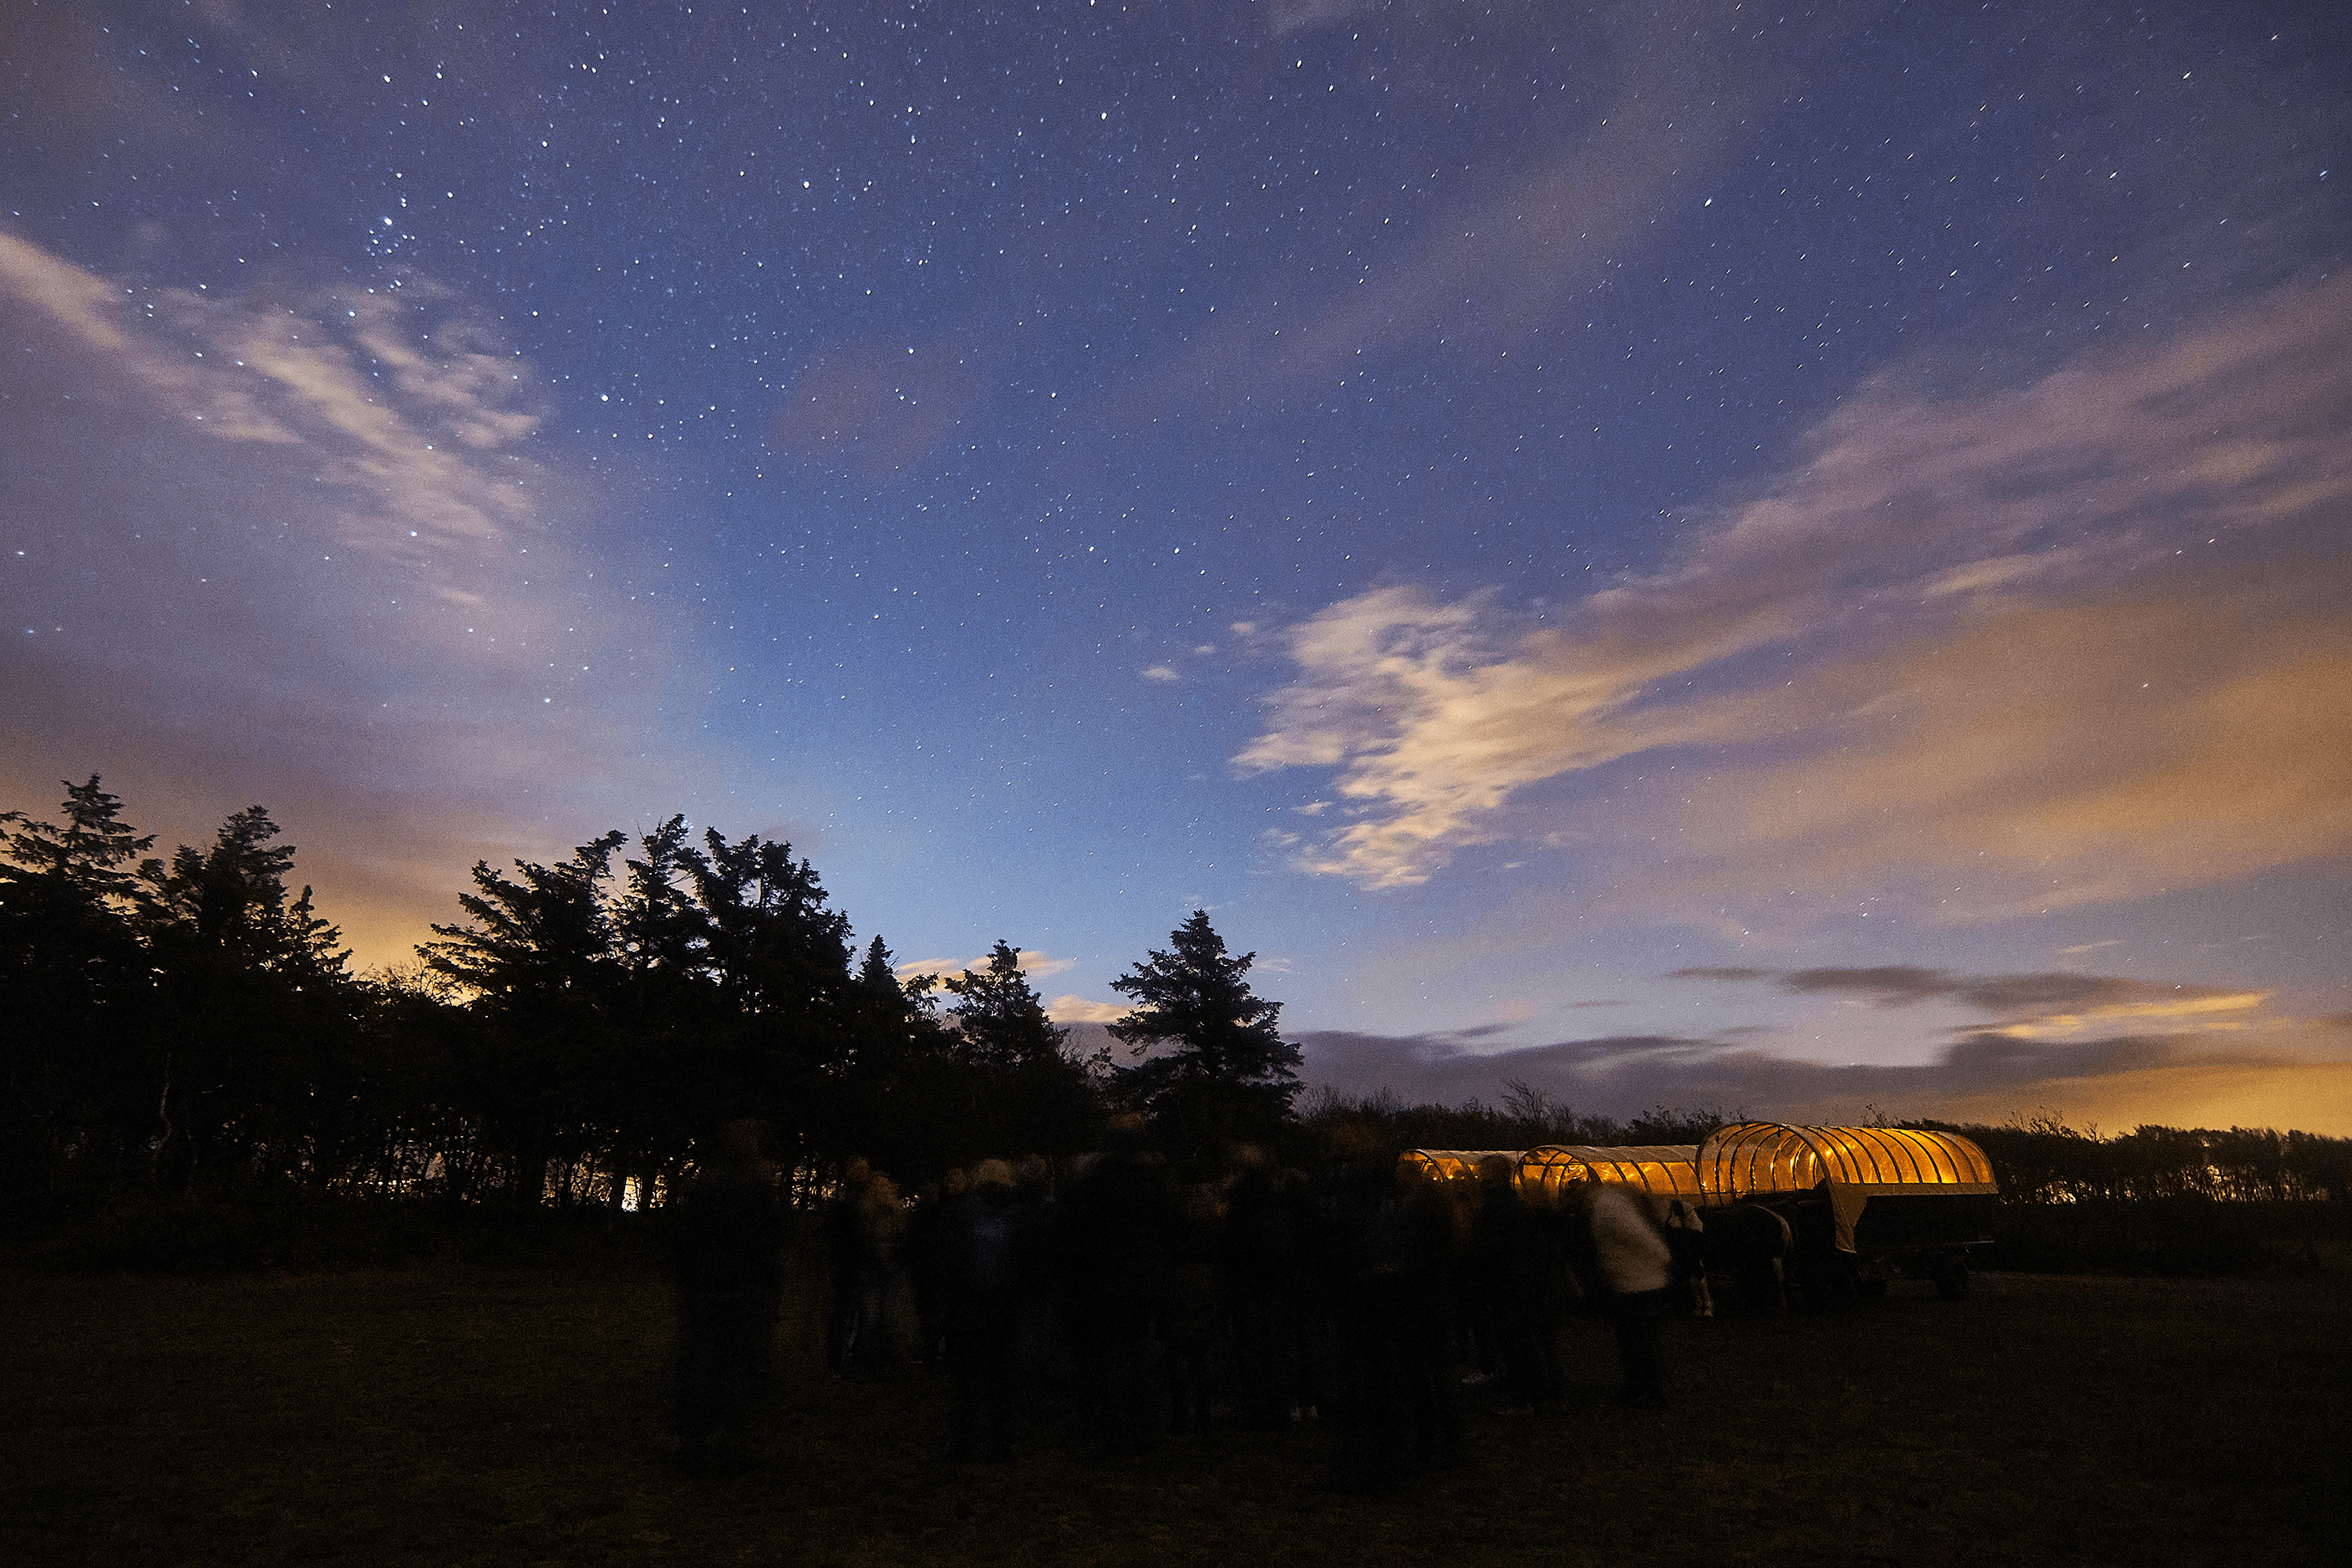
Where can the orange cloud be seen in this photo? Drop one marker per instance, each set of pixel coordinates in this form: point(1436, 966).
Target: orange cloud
point(1033, 962)
point(1078, 1009)
point(2286, 1081)
point(2055, 755)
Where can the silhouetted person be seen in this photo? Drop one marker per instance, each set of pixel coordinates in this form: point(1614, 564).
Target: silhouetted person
point(727, 1237)
point(929, 1231)
point(1748, 1241)
point(1639, 1271)
point(991, 1266)
point(1474, 1318)
point(1518, 1270)
point(1385, 1285)
point(1043, 1349)
point(880, 1273)
point(1194, 1309)
point(1823, 1270)
point(1266, 1224)
point(1686, 1239)
point(1428, 1288)
point(1117, 1243)
point(844, 1224)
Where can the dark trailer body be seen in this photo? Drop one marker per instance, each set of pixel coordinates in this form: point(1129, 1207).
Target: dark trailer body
point(1866, 1205)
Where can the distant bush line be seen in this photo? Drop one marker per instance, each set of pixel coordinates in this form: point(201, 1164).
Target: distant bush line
point(2038, 1161)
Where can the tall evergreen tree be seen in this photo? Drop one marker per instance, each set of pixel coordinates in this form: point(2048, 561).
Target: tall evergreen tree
point(1027, 1095)
point(547, 935)
point(896, 1023)
point(661, 934)
point(666, 1005)
point(1230, 1076)
point(902, 1099)
point(230, 898)
point(260, 1012)
point(1001, 1017)
point(780, 960)
point(253, 1016)
point(538, 959)
point(75, 988)
point(712, 984)
point(95, 851)
point(777, 952)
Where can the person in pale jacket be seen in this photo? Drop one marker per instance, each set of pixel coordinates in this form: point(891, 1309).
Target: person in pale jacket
point(1635, 1264)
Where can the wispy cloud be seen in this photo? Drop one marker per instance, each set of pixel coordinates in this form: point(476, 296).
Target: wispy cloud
point(1649, 123)
point(400, 398)
point(2036, 1004)
point(2034, 644)
point(1078, 1009)
point(1035, 963)
point(321, 573)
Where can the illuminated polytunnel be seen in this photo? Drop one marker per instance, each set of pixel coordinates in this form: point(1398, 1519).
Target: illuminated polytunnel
point(1451, 1165)
point(1663, 1170)
point(1853, 1165)
point(1747, 1161)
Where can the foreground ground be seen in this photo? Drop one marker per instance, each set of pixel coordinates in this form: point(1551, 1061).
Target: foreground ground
point(469, 1418)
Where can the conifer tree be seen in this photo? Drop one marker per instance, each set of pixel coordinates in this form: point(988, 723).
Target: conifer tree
point(1002, 1018)
point(1230, 1076)
point(92, 853)
point(256, 1022)
point(1026, 1095)
point(895, 1023)
point(75, 988)
point(537, 954)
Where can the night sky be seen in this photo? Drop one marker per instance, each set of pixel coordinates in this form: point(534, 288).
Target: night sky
point(1790, 560)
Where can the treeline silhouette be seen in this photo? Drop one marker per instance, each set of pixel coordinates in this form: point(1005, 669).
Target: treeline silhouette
point(193, 1072)
point(187, 1030)
point(190, 1025)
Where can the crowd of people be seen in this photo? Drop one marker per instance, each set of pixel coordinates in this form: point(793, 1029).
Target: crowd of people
point(1154, 1300)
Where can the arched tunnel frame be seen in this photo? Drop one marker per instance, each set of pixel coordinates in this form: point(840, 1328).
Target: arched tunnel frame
point(1746, 1160)
point(1762, 1159)
point(1662, 1170)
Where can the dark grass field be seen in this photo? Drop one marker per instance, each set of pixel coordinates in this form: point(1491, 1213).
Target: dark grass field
point(448, 1416)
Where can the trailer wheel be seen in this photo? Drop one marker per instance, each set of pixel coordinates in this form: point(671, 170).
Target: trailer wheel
point(1952, 1278)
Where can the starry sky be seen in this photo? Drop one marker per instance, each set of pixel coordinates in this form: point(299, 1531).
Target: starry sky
point(1791, 560)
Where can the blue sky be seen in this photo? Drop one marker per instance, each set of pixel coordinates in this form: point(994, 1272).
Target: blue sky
point(1787, 561)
